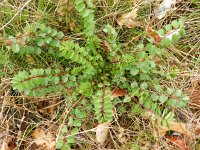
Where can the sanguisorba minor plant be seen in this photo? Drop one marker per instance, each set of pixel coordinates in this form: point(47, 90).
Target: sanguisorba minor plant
point(89, 73)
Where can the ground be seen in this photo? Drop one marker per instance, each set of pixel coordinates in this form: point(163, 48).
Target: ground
point(100, 74)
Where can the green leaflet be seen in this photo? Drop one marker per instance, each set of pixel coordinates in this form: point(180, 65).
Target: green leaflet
point(77, 54)
point(39, 82)
point(41, 39)
point(85, 8)
point(103, 106)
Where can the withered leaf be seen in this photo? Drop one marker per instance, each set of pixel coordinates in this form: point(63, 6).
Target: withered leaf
point(173, 126)
point(44, 139)
point(178, 141)
point(102, 132)
point(129, 19)
point(152, 34)
point(117, 93)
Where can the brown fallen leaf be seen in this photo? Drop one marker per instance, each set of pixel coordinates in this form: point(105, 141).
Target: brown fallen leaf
point(129, 19)
point(178, 141)
point(4, 146)
point(117, 93)
point(43, 139)
point(152, 34)
point(106, 46)
point(6, 142)
point(173, 126)
point(102, 133)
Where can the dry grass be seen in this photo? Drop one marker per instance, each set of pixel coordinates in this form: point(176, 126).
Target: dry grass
point(21, 114)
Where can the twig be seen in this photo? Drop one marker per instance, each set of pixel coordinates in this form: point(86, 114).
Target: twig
point(15, 15)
